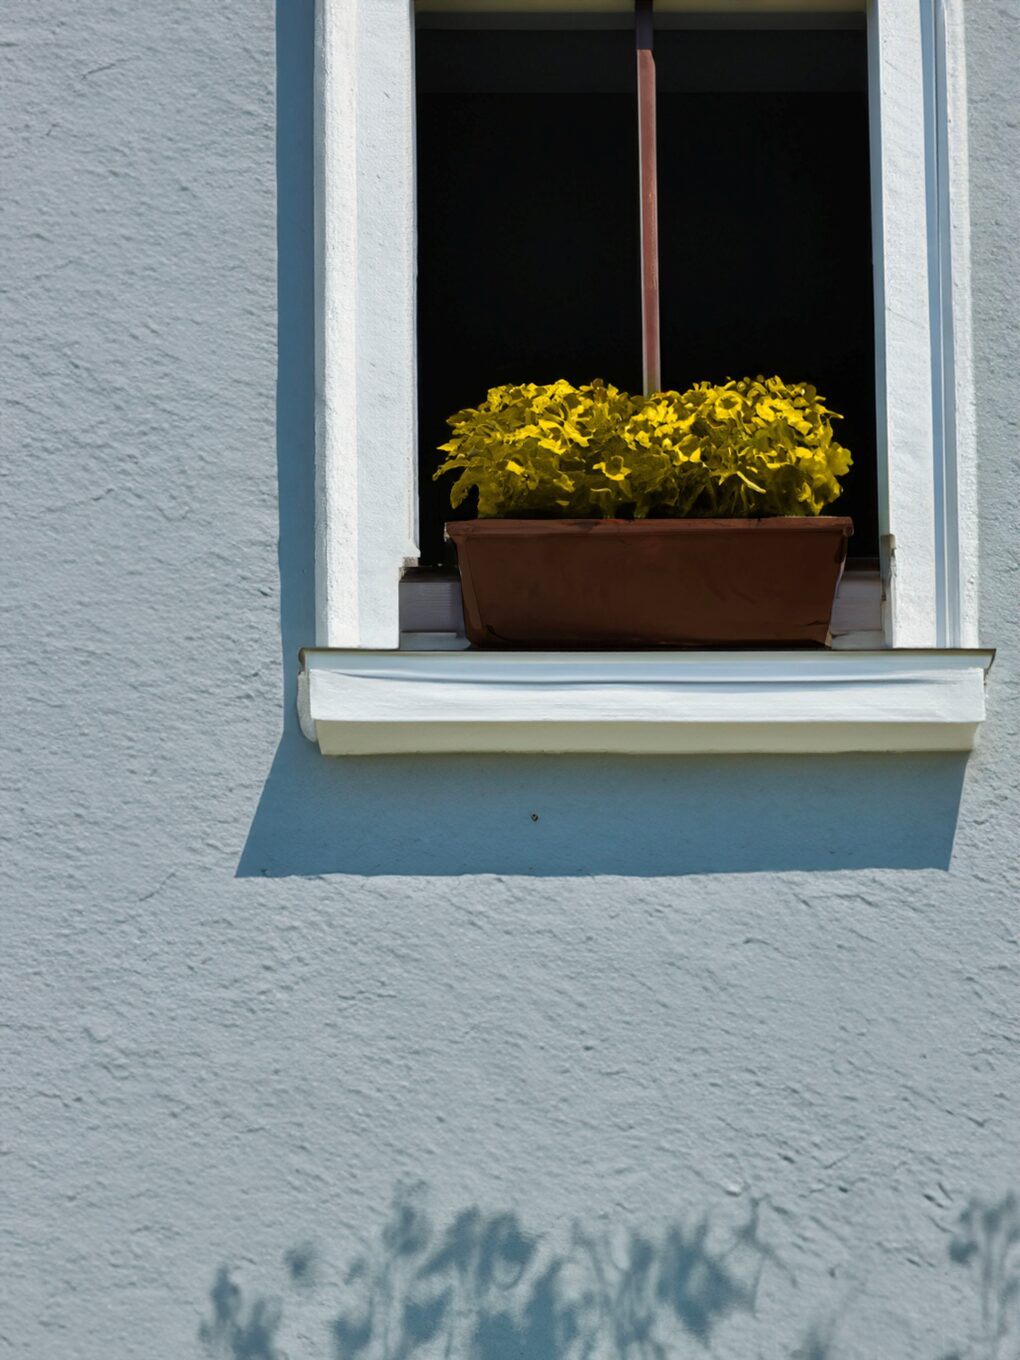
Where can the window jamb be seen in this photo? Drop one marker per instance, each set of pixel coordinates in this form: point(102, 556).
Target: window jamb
point(365, 417)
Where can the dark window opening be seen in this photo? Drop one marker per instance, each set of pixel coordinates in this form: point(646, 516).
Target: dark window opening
point(528, 231)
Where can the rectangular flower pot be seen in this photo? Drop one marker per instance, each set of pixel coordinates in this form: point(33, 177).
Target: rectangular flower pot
point(650, 583)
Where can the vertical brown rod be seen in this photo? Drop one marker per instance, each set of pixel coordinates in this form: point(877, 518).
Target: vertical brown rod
point(652, 374)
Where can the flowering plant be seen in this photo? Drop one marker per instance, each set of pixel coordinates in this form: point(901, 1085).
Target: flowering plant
point(746, 448)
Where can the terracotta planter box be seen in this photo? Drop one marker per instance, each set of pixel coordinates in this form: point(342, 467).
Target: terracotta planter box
point(649, 583)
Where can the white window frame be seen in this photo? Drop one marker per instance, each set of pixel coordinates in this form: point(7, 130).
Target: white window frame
point(366, 469)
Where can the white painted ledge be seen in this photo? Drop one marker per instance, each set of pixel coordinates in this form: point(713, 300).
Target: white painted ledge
point(655, 703)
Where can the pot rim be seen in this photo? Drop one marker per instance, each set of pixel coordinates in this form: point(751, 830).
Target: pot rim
point(515, 528)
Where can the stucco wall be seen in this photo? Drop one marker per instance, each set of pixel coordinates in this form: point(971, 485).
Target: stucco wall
point(720, 1054)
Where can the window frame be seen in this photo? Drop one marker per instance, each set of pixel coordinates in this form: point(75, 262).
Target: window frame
point(366, 371)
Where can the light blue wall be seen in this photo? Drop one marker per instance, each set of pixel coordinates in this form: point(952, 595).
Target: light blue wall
point(717, 1053)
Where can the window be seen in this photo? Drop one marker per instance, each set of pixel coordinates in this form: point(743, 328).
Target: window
point(367, 500)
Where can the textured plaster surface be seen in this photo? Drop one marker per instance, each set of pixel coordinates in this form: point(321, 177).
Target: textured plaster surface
point(712, 1056)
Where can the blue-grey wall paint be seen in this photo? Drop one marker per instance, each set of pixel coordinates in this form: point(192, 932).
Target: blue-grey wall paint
point(716, 1055)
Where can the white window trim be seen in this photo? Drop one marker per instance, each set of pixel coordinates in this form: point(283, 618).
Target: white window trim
point(366, 423)
point(926, 451)
point(366, 470)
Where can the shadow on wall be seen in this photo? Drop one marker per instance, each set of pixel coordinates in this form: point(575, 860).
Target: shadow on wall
point(547, 815)
point(987, 1242)
point(485, 1289)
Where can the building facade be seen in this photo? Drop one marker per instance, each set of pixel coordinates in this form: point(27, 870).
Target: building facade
point(481, 1056)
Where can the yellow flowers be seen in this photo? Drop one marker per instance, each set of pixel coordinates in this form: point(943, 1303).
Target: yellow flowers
point(728, 406)
point(752, 447)
point(614, 468)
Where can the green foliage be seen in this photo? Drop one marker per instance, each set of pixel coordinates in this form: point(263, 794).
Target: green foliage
point(748, 448)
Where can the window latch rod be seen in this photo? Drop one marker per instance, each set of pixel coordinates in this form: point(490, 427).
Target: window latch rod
point(644, 31)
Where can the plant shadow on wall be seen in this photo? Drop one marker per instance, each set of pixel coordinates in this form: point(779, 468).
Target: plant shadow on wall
point(485, 1289)
point(987, 1243)
point(570, 815)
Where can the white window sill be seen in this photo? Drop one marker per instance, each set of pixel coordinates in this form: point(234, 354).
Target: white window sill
point(665, 703)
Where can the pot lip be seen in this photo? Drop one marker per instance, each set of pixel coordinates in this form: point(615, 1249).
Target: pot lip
point(523, 528)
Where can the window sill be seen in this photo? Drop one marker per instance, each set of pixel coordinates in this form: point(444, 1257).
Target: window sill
point(653, 703)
